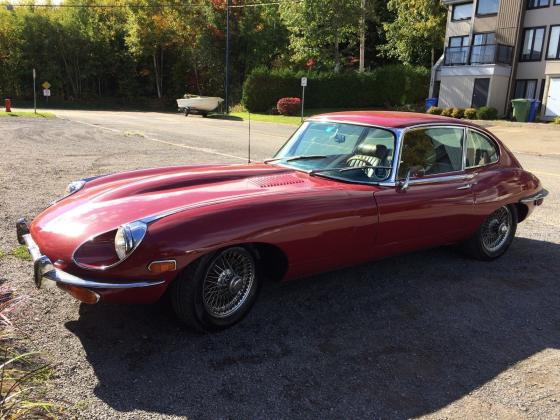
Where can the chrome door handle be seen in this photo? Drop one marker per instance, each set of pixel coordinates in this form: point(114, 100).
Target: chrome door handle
point(465, 187)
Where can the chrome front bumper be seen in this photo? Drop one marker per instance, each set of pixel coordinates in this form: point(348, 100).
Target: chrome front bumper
point(46, 274)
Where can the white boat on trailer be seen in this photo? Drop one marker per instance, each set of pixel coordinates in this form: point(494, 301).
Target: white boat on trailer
point(195, 104)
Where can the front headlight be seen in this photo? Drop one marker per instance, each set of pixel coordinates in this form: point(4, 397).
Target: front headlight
point(75, 186)
point(128, 237)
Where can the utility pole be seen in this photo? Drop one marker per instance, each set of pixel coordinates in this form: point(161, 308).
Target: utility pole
point(34, 91)
point(228, 6)
point(362, 36)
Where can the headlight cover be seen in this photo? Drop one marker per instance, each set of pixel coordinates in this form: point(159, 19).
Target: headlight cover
point(128, 237)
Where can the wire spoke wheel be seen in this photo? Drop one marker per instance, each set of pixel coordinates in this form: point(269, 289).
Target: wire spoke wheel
point(228, 282)
point(496, 229)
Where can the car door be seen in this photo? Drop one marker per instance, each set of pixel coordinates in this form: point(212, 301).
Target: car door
point(490, 183)
point(435, 205)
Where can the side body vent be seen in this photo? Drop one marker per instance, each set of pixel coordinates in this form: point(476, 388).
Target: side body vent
point(276, 180)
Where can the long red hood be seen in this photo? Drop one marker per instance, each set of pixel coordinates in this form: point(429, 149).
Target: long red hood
point(109, 201)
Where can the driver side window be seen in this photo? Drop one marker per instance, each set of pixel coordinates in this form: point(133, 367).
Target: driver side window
point(431, 151)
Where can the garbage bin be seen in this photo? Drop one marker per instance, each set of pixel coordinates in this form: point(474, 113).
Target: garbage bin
point(533, 110)
point(430, 102)
point(521, 109)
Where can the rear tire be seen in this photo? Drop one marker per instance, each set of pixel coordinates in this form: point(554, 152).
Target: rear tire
point(494, 236)
point(217, 291)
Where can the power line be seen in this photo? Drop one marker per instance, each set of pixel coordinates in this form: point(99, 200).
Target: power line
point(146, 6)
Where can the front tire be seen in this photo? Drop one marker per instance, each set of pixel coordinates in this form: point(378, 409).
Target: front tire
point(494, 236)
point(218, 291)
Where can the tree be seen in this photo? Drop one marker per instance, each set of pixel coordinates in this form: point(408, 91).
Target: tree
point(318, 29)
point(416, 31)
point(151, 31)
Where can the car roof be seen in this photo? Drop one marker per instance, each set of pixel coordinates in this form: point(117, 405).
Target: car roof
point(389, 119)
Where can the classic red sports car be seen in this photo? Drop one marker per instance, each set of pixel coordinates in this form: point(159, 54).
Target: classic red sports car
point(346, 188)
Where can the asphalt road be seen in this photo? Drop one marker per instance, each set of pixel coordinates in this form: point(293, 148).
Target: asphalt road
point(429, 334)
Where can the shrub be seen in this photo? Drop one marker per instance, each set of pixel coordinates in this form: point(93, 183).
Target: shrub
point(447, 112)
point(409, 108)
point(487, 113)
point(557, 120)
point(289, 106)
point(470, 113)
point(434, 110)
point(458, 113)
point(383, 86)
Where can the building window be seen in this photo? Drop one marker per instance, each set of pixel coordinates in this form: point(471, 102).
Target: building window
point(484, 48)
point(533, 39)
point(461, 11)
point(457, 51)
point(556, 2)
point(525, 88)
point(487, 7)
point(459, 41)
point(537, 4)
point(554, 43)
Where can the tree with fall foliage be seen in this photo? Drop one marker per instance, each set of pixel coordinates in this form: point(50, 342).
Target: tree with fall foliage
point(415, 31)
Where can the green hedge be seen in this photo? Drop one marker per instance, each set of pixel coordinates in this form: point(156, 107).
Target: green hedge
point(384, 86)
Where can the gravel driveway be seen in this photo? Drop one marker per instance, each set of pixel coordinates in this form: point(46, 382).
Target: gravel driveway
point(427, 334)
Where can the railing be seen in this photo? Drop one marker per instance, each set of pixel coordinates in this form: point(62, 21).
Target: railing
point(479, 54)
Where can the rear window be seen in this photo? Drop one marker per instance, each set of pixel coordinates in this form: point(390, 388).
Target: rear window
point(480, 150)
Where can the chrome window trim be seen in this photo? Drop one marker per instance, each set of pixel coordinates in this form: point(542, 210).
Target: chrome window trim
point(441, 179)
point(396, 132)
point(492, 141)
point(427, 126)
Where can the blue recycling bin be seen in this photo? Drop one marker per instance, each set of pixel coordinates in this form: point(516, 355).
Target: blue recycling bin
point(533, 110)
point(430, 102)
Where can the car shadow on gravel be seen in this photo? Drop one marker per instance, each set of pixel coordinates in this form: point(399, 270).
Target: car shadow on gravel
point(398, 338)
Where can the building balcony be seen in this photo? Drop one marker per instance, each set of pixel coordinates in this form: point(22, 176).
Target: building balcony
point(479, 54)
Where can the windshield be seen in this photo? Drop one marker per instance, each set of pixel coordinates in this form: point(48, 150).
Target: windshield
point(344, 151)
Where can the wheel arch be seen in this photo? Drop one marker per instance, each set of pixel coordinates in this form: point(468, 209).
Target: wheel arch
point(272, 261)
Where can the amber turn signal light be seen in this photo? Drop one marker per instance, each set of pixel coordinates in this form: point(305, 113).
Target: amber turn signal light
point(159, 267)
point(83, 295)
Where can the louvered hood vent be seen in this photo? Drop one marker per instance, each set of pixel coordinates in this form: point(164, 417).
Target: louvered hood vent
point(276, 180)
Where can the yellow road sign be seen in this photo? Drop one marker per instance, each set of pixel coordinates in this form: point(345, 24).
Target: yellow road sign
point(46, 85)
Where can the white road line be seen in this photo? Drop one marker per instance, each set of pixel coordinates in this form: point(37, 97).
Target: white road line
point(184, 146)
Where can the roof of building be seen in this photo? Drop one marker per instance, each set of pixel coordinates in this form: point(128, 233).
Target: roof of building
point(388, 119)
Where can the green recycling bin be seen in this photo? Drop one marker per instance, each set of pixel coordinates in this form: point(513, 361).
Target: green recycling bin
point(521, 108)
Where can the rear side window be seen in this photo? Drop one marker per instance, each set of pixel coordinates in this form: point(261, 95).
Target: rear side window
point(432, 151)
point(480, 150)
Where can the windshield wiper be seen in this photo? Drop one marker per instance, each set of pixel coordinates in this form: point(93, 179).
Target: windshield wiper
point(347, 168)
point(294, 158)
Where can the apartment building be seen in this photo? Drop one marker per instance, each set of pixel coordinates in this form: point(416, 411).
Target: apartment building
point(498, 50)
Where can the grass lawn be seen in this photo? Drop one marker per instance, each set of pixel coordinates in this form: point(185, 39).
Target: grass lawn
point(283, 119)
point(28, 114)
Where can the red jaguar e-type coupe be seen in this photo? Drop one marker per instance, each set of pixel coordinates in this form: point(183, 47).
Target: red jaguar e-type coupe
point(346, 188)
